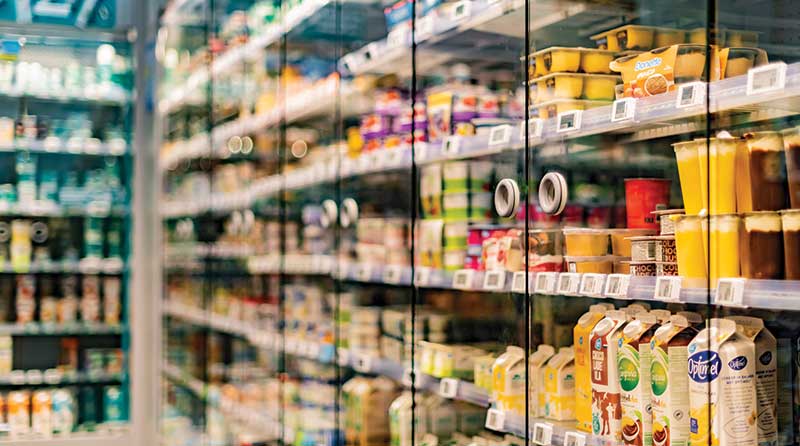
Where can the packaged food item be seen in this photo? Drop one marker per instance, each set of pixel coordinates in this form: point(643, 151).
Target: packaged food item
point(766, 376)
point(606, 409)
point(722, 388)
point(739, 38)
point(19, 415)
point(724, 246)
point(64, 411)
point(21, 247)
point(791, 145)
point(665, 249)
point(569, 60)
point(667, 224)
point(545, 249)
point(689, 171)
point(722, 171)
point(738, 61)
point(762, 246)
point(90, 300)
point(590, 264)
point(93, 238)
point(68, 304)
point(6, 356)
point(790, 222)
point(666, 269)
point(620, 240)
point(88, 410)
point(467, 176)
point(690, 242)
point(643, 248)
point(662, 69)
point(483, 371)
point(668, 36)
point(622, 267)
point(559, 386)
point(634, 379)
point(586, 242)
point(536, 372)
point(669, 380)
point(508, 380)
point(766, 170)
point(430, 190)
point(42, 414)
point(593, 87)
point(642, 197)
point(583, 360)
point(627, 37)
point(25, 302)
point(551, 109)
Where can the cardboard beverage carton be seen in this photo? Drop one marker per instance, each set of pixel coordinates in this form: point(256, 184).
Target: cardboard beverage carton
point(559, 386)
point(508, 380)
point(583, 375)
point(766, 376)
point(722, 387)
point(669, 381)
point(634, 380)
point(606, 410)
point(536, 364)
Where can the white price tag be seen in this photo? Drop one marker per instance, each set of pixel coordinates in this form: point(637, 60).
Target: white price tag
point(569, 283)
point(420, 152)
point(574, 439)
point(362, 363)
point(668, 289)
point(422, 276)
point(545, 283)
point(424, 28)
point(495, 420)
point(623, 109)
point(343, 358)
point(451, 145)
point(730, 292)
point(766, 78)
point(397, 37)
point(461, 10)
point(592, 284)
point(494, 280)
point(394, 157)
point(617, 285)
point(691, 94)
point(448, 388)
point(542, 434)
point(462, 279)
point(392, 274)
point(518, 281)
point(500, 135)
point(569, 121)
point(535, 126)
point(364, 272)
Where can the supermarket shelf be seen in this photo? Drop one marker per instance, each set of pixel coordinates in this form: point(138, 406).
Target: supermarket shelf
point(56, 329)
point(117, 437)
point(54, 377)
point(71, 146)
point(84, 266)
point(51, 209)
point(116, 98)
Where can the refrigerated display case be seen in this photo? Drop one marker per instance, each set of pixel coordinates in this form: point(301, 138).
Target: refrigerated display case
point(481, 222)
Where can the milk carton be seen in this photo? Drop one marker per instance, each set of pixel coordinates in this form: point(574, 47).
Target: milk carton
point(722, 386)
point(606, 410)
point(536, 364)
point(583, 375)
point(633, 362)
point(766, 365)
point(669, 381)
point(508, 380)
point(559, 386)
point(42, 413)
point(662, 316)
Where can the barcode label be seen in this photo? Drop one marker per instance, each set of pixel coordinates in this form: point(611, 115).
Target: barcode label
point(422, 276)
point(545, 283)
point(362, 363)
point(569, 121)
point(535, 126)
point(592, 284)
point(623, 110)
point(574, 439)
point(569, 283)
point(543, 434)
point(499, 135)
point(494, 280)
point(451, 145)
point(617, 285)
point(766, 78)
point(691, 94)
point(392, 274)
point(668, 289)
point(495, 420)
point(518, 281)
point(424, 28)
point(730, 292)
point(462, 279)
point(448, 387)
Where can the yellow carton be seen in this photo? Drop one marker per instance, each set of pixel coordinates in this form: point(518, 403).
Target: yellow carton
point(559, 386)
point(536, 364)
point(508, 380)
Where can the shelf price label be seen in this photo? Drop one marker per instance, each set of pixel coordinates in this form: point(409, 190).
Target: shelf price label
point(364, 272)
point(422, 276)
point(574, 439)
point(545, 283)
point(461, 10)
point(691, 94)
point(343, 357)
point(535, 126)
point(500, 135)
point(592, 284)
point(569, 283)
point(617, 286)
point(668, 289)
point(362, 363)
point(424, 28)
point(569, 121)
point(451, 145)
point(542, 434)
point(623, 110)
point(494, 280)
point(397, 37)
point(518, 281)
point(392, 274)
point(766, 78)
point(462, 279)
point(448, 387)
point(730, 292)
point(495, 420)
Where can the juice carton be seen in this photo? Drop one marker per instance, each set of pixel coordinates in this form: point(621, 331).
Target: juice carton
point(483, 371)
point(559, 386)
point(508, 380)
point(64, 411)
point(536, 364)
point(583, 381)
point(669, 381)
point(722, 386)
point(606, 410)
point(633, 362)
point(42, 415)
point(766, 376)
point(19, 412)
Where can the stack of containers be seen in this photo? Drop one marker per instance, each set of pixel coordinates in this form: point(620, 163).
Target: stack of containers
point(390, 125)
point(588, 250)
point(365, 330)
